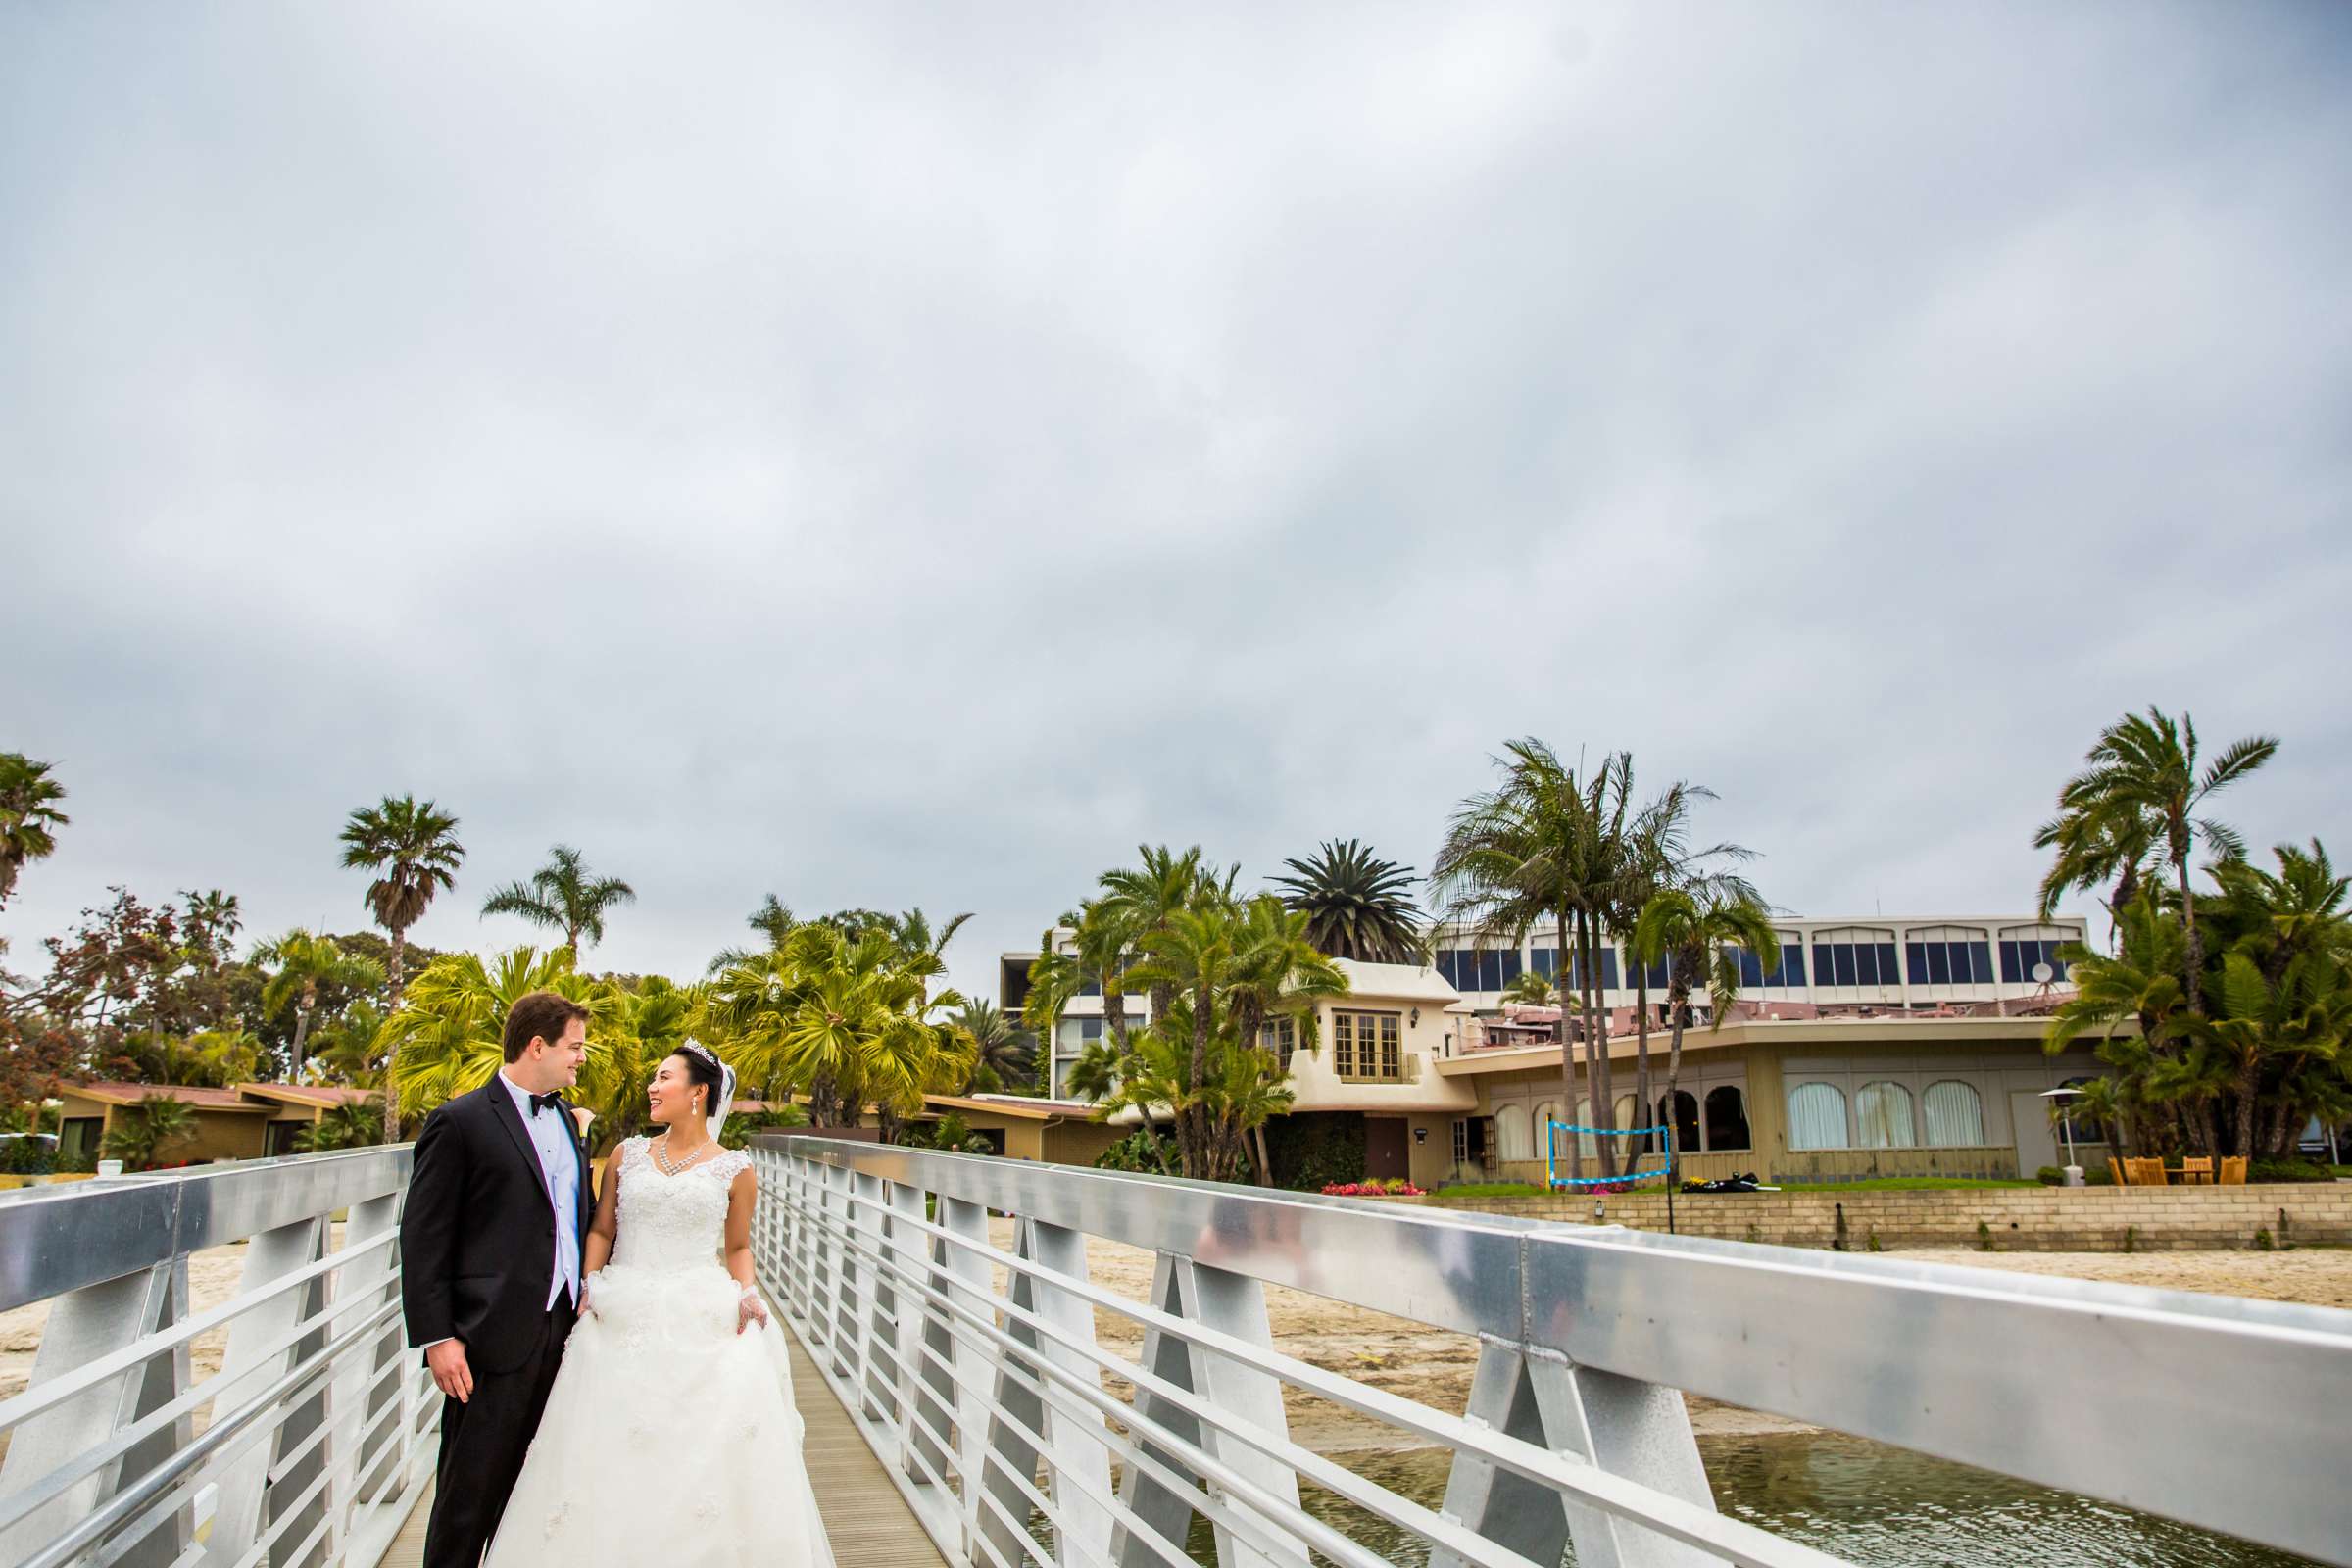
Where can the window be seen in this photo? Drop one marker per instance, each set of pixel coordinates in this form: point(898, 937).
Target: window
point(1817, 1116)
point(1855, 957)
point(1547, 962)
point(1628, 1117)
point(1790, 973)
point(1726, 1117)
point(1608, 970)
point(1659, 975)
point(1882, 1115)
point(1469, 969)
point(1281, 1037)
point(1367, 1046)
point(1955, 1115)
point(1684, 1120)
point(1948, 955)
point(1510, 966)
point(1512, 1139)
point(2020, 956)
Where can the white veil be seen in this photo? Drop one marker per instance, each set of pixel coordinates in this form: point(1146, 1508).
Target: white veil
point(726, 1086)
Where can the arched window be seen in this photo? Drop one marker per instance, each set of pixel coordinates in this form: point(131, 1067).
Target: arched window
point(1726, 1117)
point(1545, 1114)
point(1883, 1115)
point(1586, 1146)
point(1629, 1118)
point(1955, 1115)
point(1684, 1118)
point(1817, 1116)
point(1511, 1137)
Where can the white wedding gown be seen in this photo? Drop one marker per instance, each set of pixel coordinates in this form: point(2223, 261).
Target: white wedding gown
point(669, 1439)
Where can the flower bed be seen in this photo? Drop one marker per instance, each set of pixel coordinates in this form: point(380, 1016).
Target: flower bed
point(1396, 1187)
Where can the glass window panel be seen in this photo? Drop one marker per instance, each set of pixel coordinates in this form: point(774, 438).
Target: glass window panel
point(1510, 966)
point(1446, 965)
point(1792, 965)
point(1866, 963)
point(1824, 968)
point(1940, 964)
point(1915, 958)
point(1548, 962)
point(1844, 953)
point(1727, 1118)
point(1882, 1116)
point(1980, 963)
point(1816, 1116)
point(1955, 1115)
point(2012, 972)
point(1608, 969)
point(1513, 1135)
point(1886, 974)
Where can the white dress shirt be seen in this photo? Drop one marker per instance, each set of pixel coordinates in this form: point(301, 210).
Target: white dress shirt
point(551, 1137)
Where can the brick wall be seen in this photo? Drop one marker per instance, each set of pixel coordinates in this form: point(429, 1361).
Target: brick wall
point(2049, 1219)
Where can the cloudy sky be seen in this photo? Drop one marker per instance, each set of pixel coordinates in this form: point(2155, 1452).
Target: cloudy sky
point(909, 455)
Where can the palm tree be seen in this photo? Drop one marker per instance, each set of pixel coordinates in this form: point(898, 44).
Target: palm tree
point(306, 962)
point(1698, 930)
point(1541, 846)
point(352, 1126)
point(2144, 781)
point(1001, 1050)
point(562, 896)
point(449, 1035)
point(412, 846)
point(1356, 904)
point(1532, 989)
point(1098, 956)
point(642, 1027)
point(141, 1135)
point(2137, 984)
point(1140, 902)
point(28, 817)
point(772, 920)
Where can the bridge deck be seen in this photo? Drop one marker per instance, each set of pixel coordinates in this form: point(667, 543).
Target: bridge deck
point(866, 1518)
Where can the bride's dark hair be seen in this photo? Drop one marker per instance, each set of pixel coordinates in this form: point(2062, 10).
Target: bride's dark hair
point(701, 1068)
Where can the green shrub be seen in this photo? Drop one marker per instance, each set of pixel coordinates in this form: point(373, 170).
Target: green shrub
point(1984, 1237)
point(2262, 1240)
point(2288, 1171)
point(26, 1157)
point(2130, 1238)
point(1315, 1149)
point(1140, 1151)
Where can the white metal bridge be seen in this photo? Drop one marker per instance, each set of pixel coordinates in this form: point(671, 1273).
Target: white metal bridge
point(974, 1375)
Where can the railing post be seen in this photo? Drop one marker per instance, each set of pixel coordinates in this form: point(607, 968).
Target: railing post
point(1635, 1429)
point(1235, 1305)
point(372, 1385)
point(1074, 1437)
point(84, 1325)
point(972, 1358)
point(870, 1228)
point(909, 1259)
point(247, 1367)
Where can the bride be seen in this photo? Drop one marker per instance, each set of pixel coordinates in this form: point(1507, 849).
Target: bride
point(670, 1436)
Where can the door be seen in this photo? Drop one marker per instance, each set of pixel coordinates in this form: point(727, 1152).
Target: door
point(1386, 1149)
point(2037, 1139)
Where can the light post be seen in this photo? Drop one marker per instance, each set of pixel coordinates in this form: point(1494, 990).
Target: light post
point(2066, 1123)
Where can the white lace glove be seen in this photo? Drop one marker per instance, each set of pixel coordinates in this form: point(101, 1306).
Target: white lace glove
point(749, 1310)
point(588, 1294)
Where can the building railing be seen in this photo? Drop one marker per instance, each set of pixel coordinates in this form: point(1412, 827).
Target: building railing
point(304, 1449)
point(970, 1357)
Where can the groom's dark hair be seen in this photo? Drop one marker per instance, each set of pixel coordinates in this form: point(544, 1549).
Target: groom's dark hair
point(540, 1016)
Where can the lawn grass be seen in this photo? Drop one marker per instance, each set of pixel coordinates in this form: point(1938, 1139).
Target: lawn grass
point(1490, 1190)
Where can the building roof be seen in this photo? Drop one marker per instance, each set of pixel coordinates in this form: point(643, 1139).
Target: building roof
point(320, 1095)
point(120, 1094)
point(1405, 982)
point(1026, 1107)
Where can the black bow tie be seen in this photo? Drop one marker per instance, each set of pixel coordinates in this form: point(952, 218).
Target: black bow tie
point(546, 1101)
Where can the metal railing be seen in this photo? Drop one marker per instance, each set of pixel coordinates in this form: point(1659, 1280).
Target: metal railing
point(974, 1371)
point(304, 1449)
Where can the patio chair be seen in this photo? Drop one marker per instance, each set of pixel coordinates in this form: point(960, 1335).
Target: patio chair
point(2115, 1169)
point(2146, 1172)
point(2197, 1173)
point(2234, 1170)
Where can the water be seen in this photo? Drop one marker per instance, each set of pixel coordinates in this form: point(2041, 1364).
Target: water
point(1862, 1501)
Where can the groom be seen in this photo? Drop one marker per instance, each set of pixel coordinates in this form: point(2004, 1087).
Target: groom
point(490, 1243)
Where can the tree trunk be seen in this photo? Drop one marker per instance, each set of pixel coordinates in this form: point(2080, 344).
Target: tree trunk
point(1597, 1071)
point(400, 986)
point(2249, 1083)
point(1575, 1148)
point(1194, 1148)
point(2126, 888)
point(1644, 1105)
point(1674, 1072)
point(2196, 945)
point(1265, 1163)
point(302, 1029)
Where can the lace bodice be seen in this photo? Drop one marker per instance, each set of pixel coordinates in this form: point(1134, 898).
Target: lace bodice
point(673, 1221)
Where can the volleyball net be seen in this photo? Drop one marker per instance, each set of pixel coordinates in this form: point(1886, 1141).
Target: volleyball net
point(1554, 1156)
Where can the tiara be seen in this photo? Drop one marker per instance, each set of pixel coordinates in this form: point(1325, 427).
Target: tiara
point(702, 1050)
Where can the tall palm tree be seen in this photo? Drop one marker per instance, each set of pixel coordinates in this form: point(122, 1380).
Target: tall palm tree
point(28, 817)
point(1002, 1048)
point(2139, 986)
point(1096, 957)
point(772, 920)
point(412, 846)
point(1698, 931)
point(1545, 846)
point(306, 962)
point(449, 1035)
point(1142, 901)
point(1356, 904)
point(2143, 779)
point(562, 896)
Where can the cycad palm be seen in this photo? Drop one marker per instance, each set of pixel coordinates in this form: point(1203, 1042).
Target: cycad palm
point(562, 896)
point(305, 964)
point(1002, 1051)
point(447, 1036)
point(2143, 779)
point(412, 846)
point(28, 817)
point(1357, 904)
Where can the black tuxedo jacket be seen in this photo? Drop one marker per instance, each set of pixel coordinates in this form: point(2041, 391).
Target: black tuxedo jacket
point(477, 1234)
